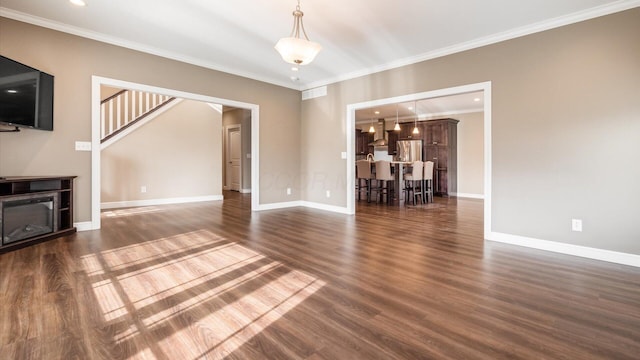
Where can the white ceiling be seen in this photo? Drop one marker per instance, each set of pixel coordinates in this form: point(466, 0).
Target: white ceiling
point(358, 36)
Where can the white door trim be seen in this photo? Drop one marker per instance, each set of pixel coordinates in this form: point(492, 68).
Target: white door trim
point(97, 81)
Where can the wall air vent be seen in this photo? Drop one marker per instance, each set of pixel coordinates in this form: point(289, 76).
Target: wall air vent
point(314, 93)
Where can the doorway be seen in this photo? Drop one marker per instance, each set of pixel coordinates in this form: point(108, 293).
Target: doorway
point(233, 158)
point(484, 87)
point(98, 82)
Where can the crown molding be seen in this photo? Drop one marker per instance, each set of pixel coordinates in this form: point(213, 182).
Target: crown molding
point(112, 40)
point(549, 24)
point(594, 12)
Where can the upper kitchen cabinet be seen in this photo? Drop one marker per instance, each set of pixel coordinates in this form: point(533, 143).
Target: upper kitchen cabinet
point(392, 139)
point(363, 139)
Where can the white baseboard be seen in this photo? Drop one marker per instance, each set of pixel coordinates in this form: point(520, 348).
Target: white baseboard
point(150, 202)
point(83, 226)
point(319, 206)
point(280, 205)
point(569, 249)
point(245, 191)
point(308, 204)
point(466, 195)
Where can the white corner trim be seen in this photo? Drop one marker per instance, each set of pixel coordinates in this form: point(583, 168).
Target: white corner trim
point(139, 124)
point(279, 205)
point(466, 195)
point(245, 191)
point(325, 207)
point(568, 249)
point(84, 226)
point(150, 202)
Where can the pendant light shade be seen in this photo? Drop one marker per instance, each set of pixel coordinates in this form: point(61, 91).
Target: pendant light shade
point(397, 127)
point(371, 128)
point(297, 48)
point(415, 122)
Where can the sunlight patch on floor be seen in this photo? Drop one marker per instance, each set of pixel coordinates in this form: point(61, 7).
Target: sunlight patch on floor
point(205, 296)
point(131, 211)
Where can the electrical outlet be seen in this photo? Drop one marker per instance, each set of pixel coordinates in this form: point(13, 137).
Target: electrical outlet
point(288, 191)
point(143, 189)
point(328, 193)
point(576, 225)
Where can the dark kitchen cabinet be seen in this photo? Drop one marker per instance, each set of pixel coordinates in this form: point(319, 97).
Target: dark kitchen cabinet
point(363, 139)
point(440, 146)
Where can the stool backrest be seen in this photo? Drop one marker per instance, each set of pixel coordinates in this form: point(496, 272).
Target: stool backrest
point(363, 167)
point(416, 171)
point(428, 170)
point(383, 170)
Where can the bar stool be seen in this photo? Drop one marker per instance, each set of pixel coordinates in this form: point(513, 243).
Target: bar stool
point(427, 181)
point(413, 178)
point(363, 172)
point(383, 177)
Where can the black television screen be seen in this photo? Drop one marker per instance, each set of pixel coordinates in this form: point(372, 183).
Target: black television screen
point(26, 96)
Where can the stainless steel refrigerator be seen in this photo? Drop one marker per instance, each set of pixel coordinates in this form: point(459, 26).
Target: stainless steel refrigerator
point(409, 150)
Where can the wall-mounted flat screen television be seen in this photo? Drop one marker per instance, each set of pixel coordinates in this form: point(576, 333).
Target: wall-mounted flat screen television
point(26, 96)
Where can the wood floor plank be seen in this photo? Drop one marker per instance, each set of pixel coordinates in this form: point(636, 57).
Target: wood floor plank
point(217, 281)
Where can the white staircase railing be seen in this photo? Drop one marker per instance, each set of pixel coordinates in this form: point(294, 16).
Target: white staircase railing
point(126, 107)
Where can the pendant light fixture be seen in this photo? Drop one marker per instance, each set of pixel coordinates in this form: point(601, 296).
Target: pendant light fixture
point(397, 127)
point(415, 121)
point(371, 128)
point(297, 48)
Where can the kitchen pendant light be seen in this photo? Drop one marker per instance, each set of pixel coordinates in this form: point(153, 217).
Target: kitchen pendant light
point(371, 128)
point(297, 48)
point(397, 127)
point(415, 121)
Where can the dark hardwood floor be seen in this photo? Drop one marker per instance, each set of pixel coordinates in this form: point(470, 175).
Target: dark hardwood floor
point(214, 280)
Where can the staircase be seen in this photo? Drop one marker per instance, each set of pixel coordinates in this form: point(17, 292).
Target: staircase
point(127, 108)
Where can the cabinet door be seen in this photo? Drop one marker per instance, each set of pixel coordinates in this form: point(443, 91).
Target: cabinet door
point(369, 138)
point(437, 133)
point(392, 139)
point(358, 142)
point(441, 183)
point(437, 154)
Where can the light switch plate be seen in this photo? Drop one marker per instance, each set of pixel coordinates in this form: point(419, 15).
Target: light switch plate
point(83, 145)
point(344, 154)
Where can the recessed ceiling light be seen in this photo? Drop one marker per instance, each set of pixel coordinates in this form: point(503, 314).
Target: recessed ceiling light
point(410, 108)
point(476, 99)
point(294, 78)
point(11, 91)
point(78, 2)
point(294, 68)
point(377, 112)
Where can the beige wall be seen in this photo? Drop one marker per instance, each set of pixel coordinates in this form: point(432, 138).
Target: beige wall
point(243, 118)
point(73, 60)
point(470, 153)
point(177, 154)
point(106, 91)
point(564, 129)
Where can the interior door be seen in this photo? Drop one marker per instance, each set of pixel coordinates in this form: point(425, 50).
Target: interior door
point(234, 172)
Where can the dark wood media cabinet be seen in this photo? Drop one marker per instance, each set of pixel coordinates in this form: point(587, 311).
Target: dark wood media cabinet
point(22, 196)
